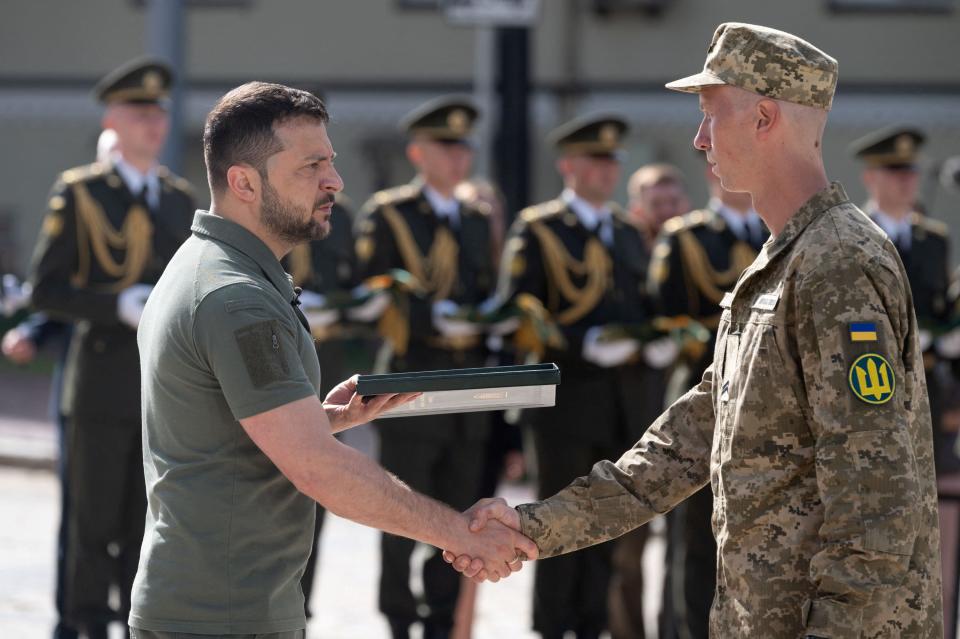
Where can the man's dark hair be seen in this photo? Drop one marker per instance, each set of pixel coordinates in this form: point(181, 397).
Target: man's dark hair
point(240, 128)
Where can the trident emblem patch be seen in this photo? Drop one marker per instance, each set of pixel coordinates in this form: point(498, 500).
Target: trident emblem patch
point(872, 379)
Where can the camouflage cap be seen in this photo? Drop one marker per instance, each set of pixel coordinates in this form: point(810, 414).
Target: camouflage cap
point(771, 63)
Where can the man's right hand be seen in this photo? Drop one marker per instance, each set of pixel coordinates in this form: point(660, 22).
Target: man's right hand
point(486, 513)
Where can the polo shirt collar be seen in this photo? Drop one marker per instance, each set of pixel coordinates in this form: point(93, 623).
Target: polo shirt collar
point(232, 234)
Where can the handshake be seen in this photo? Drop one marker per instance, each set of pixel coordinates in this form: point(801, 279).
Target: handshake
point(495, 548)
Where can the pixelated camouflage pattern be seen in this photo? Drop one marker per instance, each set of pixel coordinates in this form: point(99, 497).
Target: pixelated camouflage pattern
point(825, 508)
point(768, 62)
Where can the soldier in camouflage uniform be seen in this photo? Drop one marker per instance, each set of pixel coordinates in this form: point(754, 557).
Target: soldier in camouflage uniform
point(446, 244)
point(112, 227)
point(812, 425)
point(583, 260)
point(697, 260)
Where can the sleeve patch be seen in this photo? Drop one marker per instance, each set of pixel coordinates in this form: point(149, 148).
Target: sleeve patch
point(260, 346)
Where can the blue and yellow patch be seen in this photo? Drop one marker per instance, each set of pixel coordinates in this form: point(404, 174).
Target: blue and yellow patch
point(872, 379)
point(863, 332)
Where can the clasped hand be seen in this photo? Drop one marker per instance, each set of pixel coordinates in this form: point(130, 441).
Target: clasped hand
point(495, 548)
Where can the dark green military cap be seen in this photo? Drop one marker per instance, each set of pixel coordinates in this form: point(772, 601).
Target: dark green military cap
point(892, 147)
point(449, 118)
point(601, 134)
point(142, 81)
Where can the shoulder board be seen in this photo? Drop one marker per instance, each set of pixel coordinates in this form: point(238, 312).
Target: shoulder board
point(395, 195)
point(177, 182)
point(934, 227)
point(689, 220)
point(84, 173)
point(542, 211)
point(476, 207)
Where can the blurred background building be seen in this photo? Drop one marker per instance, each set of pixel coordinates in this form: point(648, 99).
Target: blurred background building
point(373, 60)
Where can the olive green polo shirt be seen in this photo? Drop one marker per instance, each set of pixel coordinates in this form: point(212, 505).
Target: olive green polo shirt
point(227, 534)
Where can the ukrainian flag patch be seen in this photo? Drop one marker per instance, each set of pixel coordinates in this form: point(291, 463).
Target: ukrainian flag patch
point(863, 332)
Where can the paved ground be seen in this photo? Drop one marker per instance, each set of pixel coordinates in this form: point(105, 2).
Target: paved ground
point(345, 594)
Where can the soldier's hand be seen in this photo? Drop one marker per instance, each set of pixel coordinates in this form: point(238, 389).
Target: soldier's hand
point(18, 347)
point(130, 304)
point(370, 310)
point(660, 353)
point(445, 321)
point(313, 307)
point(607, 353)
point(482, 514)
point(14, 295)
point(948, 344)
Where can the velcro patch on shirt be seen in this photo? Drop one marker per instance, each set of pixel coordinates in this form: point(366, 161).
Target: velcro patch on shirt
point(863, 332)
point(872, 379)
point(262, 352)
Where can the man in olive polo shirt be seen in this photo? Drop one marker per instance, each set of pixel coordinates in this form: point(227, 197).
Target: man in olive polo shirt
point(237, 443)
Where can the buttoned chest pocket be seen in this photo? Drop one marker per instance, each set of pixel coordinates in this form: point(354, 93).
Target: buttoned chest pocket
point(764, 402)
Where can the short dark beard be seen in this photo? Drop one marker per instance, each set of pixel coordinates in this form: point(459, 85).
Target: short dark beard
point(290, 223)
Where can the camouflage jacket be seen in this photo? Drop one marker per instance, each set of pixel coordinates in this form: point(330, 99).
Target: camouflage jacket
point(813, 427)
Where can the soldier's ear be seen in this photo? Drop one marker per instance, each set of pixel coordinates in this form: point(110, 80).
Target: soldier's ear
point(243, 181)
point(767, 114)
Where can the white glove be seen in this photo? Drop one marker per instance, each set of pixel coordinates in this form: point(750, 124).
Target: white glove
point(370, 310)
point(607, 353)
point(130, 304)
point(15, 295)
point(660, 353)
point(312, 305)
point(948, 345)
point(450, 326)
point(926, 339)
point(503, 327)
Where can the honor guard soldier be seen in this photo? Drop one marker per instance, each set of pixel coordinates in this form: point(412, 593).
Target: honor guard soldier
point(697, 260)
point(320, 268)
point(110, 229)
point(445, 244)
point(584, 261)
point(891, 175)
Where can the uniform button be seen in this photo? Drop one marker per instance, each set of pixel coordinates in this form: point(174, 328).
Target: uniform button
point(99, 346)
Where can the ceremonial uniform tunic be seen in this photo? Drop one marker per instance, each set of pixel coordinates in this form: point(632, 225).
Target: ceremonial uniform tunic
point(815, 438)
point(327, 266)
point(697, 259)
point(97, 239)
point(436, 455)
point(599, 410)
